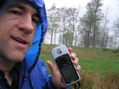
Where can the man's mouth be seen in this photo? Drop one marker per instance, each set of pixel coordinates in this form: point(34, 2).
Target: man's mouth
point(19, 40)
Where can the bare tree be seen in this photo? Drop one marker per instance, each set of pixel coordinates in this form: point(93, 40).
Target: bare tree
point(104, 34)
point(53, 19)
point(68, 24)
point(116, 26)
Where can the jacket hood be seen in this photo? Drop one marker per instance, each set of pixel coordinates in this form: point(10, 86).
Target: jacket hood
point(33, 53)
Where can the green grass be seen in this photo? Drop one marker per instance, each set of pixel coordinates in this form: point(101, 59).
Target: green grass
point(105, 67)
point(95, 60)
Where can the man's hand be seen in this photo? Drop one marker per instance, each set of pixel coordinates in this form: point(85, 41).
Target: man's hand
point(56, 79)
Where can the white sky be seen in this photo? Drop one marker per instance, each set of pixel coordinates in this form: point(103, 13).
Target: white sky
point(112, 5)
point(67, 3)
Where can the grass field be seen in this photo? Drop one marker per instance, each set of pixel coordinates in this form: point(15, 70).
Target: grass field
point(99, 67)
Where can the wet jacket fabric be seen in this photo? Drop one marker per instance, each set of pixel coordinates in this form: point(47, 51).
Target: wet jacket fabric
point(33, 72)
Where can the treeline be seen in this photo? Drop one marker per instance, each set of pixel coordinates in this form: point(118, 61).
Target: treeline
point(67, 26)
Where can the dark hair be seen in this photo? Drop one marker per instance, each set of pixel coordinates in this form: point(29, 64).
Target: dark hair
point(2, 2)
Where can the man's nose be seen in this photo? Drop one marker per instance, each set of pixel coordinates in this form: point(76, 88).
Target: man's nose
point(26, 25)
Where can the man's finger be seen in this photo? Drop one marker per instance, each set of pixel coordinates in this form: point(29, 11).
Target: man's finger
point(52, 67)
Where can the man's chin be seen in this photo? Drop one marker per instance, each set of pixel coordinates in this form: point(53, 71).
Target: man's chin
point(15, 59)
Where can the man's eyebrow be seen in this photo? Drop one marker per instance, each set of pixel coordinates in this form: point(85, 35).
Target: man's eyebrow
point(17, 6)
point(22, 8)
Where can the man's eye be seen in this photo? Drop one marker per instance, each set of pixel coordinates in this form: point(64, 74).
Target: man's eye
point(16, 12)
point(36, 21)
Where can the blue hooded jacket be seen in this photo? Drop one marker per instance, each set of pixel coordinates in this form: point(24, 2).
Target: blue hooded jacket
point(33, 73)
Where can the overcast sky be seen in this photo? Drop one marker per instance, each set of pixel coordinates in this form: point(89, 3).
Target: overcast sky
point(112, 5)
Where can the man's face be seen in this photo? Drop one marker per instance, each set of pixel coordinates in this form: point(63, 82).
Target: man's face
point(18, 22)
